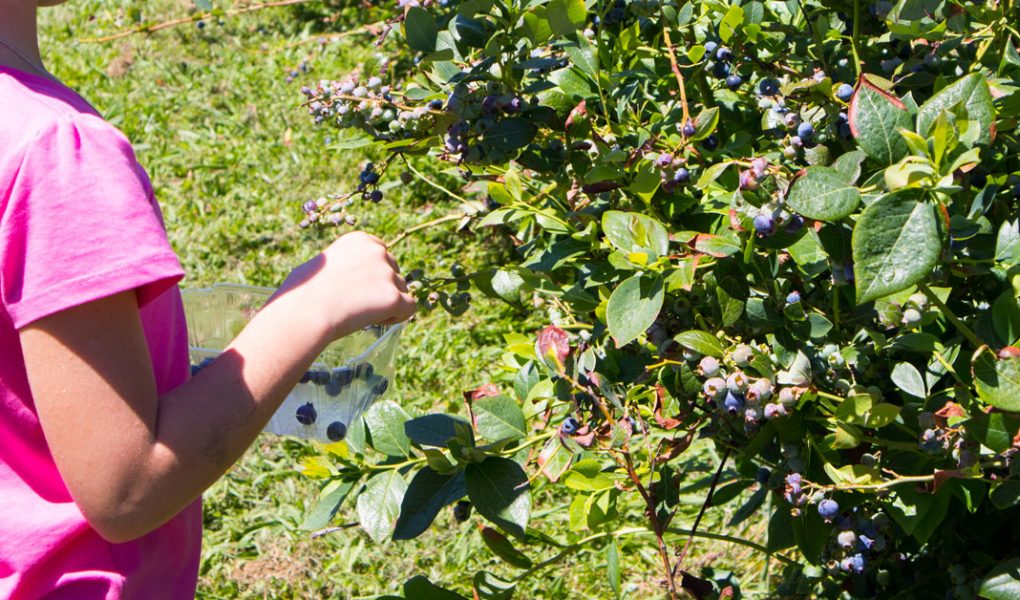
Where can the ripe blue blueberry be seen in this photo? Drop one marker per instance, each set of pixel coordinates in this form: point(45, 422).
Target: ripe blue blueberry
point(723, 54)
point(844, 92)
point(793, 297)
point(828, 509)
point(853, 564)
point(306, 414)
point(768, 87)
point(764, 224)
point(343, 375)
point(689, 129)
point(805, 131)
point(733, 403)
point(570, 426)
point(711, 142)
point(369, 177)
point(762, 476)
point(364, 370)
point(490, 104)
point(336, 431)
point(682, 175)
point(375, 196)
point(711, 47)
point(436, 104)
point(461, 511)
point(720, 70)
point(734, 81)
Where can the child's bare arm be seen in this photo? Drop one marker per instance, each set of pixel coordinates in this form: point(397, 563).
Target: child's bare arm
point(132, 460)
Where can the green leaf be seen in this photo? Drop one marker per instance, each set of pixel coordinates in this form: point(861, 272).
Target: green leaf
point(379, 504)
point(565, 16)
point(489, 587)
point(509, 134)
point(633, 232)
point(385, 422)
point(504, 548)
point(918, 513)
point(1006, 494)
point(1002, 582)
point(994, 430)
point(633, 307)
point(499, 490)
point(1006, 318)
point(613, 567)
point(824, 194)
point(420, 588)
point(908, 378)
point(587, 476)
point(970, 91)
point(428, 493)
point(749, 507)
point(811, 533)
point(499, 418)
point(421, 29)
point(997, 380)
point(434, 430)
point(330, 499)
point(896, 244)
point(781, 535)
point(849, 164)
point(876, 118)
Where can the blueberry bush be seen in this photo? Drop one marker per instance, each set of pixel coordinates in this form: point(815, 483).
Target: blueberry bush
point(789, 228)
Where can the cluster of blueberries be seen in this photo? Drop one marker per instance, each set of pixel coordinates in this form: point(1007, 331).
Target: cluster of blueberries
point(937, 439)
point(367, 105)
point(856, 535)
point(337, 204)
point(907, 315)
point(721, 67)
point(478, 112)
point(735, 394)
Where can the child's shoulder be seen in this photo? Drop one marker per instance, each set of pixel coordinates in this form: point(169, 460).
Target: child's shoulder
point(31, 105)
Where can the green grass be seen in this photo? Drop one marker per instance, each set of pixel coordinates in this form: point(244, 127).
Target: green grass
point(232, 156)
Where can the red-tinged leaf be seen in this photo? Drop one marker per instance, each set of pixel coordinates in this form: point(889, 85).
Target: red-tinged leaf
point(1008, 352)
point(553, 344)
point(951, 409)
point(715, 245)
point(578, 112)
point(664, 422)
point(584, 437)
point(876, 118)
point(727, 592)
point(485, 391)
point(941, 477)
point(601, 186)
point(1016, 440)
point(696, 586)
point(735, 220)
point(674, 448)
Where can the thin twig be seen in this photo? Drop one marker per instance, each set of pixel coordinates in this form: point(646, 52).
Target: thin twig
point(444, 219)
point(682, 554)
point(676, 71)
point(330, 530)
point(191, 19)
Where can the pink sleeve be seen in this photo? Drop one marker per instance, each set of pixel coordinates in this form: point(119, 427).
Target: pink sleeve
point(80, 223)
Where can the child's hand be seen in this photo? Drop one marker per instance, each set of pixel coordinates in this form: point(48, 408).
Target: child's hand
point(354, 283)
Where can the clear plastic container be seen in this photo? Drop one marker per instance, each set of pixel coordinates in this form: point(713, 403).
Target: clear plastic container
point(338, 388)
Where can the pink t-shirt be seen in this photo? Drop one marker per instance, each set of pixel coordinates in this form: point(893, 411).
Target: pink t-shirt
point(78, 222)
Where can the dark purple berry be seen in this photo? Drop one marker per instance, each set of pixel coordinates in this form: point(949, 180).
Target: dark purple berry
point(306, 414)
point(490, 104)
point(570, 426)
point(828, 509)
point(375, 196)
point(682, 175)
point(514, 106)
point(689, 129)
point(364, 370)
point(665, 159)
point(710, 143)
point(720, 70)
point(336, 431)
point(723, 54)
point(369, 177)
point(436, 104)
point(768, 87)
point(461, 511)
point(764, 224)
point(805, 131)
point(734, 81)
point(381, 386)
point(762, 476)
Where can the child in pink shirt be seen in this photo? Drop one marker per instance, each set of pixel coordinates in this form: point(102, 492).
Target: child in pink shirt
point(105, 442)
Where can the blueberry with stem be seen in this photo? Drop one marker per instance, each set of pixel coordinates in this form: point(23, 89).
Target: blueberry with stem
point(306, 414)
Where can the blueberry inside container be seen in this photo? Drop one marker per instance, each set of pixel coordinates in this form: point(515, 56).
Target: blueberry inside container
point(342, 383)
